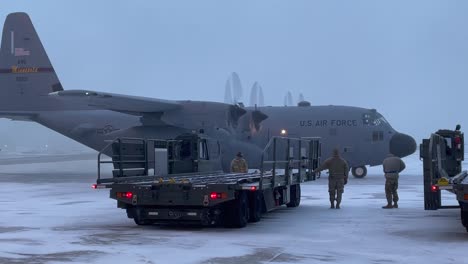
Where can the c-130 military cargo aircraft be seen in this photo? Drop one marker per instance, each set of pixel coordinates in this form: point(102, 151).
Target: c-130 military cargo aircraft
point(31, 91)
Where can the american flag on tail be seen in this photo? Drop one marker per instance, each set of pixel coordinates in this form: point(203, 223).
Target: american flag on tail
point(22, 52)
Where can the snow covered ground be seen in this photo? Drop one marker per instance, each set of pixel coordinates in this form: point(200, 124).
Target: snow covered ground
point(49, 214)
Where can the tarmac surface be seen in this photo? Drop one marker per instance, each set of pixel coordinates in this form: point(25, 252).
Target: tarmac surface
point(51, 215)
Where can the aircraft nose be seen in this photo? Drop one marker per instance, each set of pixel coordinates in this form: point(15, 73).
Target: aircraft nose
point(402, 145)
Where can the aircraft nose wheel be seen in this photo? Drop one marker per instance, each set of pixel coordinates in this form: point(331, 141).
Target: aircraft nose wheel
point(359, 172)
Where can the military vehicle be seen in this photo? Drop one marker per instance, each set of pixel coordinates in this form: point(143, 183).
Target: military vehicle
point(179, 180)
point(442, 156)
point(31, 91)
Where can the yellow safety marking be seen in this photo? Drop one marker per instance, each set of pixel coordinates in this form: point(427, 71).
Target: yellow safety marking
point(443, 182)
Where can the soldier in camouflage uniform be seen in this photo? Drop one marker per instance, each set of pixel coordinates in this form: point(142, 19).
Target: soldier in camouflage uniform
point(238, 164)
point(392, 166)
point(338, 176)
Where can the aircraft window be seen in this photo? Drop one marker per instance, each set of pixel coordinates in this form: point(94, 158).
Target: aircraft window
point(383, 119)
point(366, 119)
point(448, 145)
point(379, 121)
point(377, 136)
point(348, 149)
point(373, 120)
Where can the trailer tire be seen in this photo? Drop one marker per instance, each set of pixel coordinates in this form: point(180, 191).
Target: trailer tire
point(141, 222)
point(236, 212)
point(135, 213)
point(295, 194)
point(256, 206)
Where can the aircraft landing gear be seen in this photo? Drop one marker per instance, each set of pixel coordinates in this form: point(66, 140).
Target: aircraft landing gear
point(359, 172)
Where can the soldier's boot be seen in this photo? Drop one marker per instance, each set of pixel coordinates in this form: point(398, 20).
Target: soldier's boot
point(332, 200)
point(395, 199)
point(338, 200)
point(389, 199)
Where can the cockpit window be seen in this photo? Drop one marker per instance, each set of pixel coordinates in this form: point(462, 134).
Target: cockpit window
point(373, 119)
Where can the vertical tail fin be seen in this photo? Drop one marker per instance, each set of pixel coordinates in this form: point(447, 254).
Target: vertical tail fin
point(25, 69)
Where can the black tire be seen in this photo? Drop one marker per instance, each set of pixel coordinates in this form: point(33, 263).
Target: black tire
point(256, 206)
point(295, 192)
point(464, 218)
point(136, 213)
point(141, 222)
point(236, 212)
point(359, 172)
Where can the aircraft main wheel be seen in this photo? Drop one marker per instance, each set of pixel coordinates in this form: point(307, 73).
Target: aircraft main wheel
point(295, 196)
point(236, 212)
point(359, 172)
point(256, 206)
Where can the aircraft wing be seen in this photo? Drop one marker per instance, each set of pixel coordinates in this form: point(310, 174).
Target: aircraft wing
point(17, 116)
point(116, 102)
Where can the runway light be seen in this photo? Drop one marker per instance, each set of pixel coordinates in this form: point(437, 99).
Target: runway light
point(434, 188)
point(283, 132)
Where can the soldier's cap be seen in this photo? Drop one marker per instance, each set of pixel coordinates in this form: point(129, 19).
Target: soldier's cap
point(239, 154)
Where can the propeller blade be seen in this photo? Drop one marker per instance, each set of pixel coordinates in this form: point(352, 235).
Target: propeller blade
point(253, 95)
point(236, 87)
point(301, 97)
point(261, 101)
point(290, 100)
point(227, 93)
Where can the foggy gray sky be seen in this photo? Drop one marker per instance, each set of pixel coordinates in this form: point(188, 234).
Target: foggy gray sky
point(407, 59)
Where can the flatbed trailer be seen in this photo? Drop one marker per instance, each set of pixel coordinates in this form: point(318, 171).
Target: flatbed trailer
point(442, 156)
point(210, 197)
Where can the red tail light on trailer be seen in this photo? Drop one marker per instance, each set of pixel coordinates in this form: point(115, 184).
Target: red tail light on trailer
point(215, 195)
point(127, 195)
